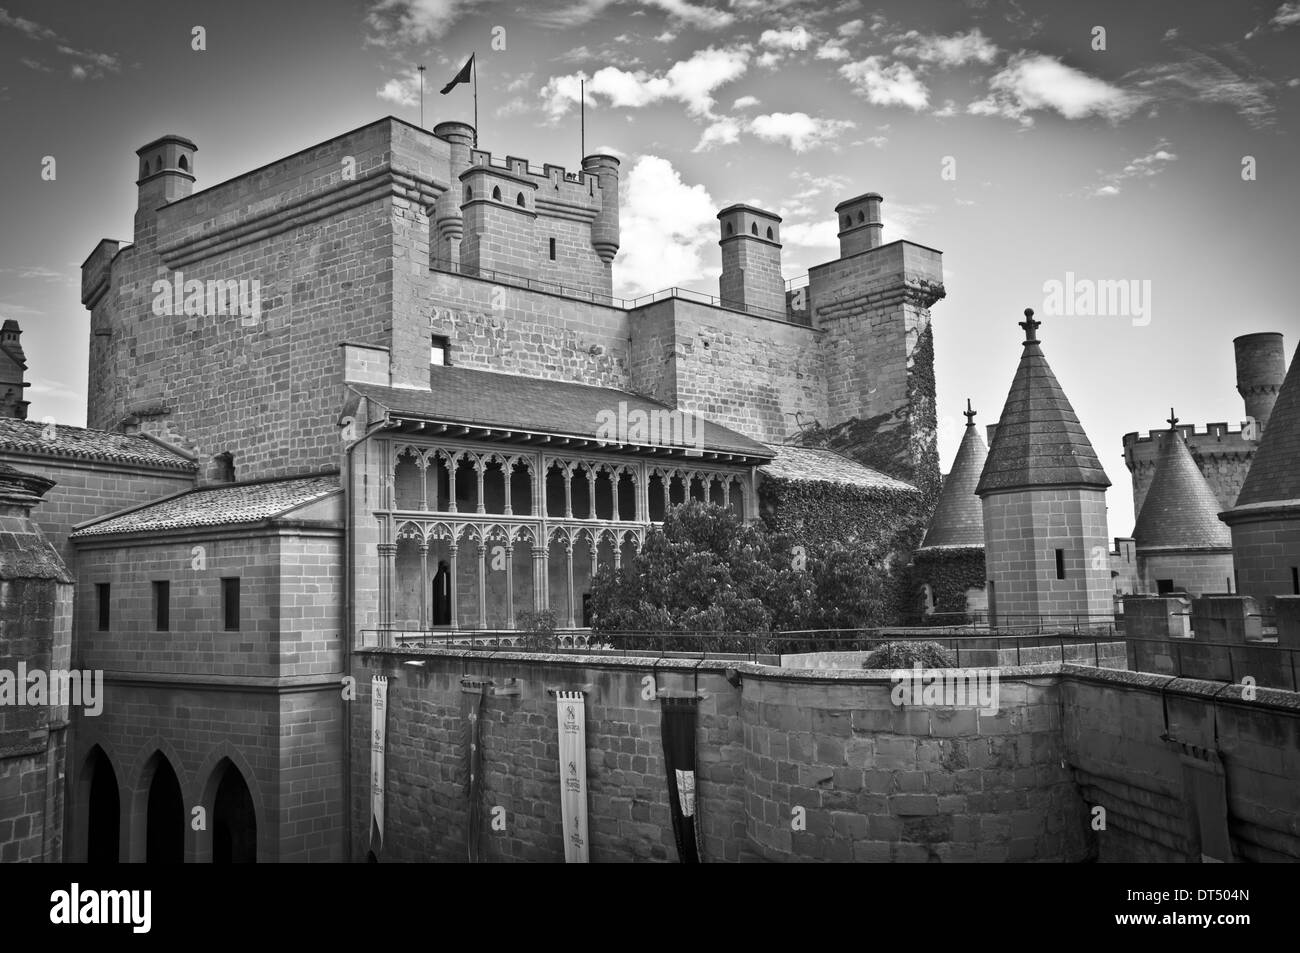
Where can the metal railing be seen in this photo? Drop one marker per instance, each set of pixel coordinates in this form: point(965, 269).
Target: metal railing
point(1176, 655)
point(583, 294)
point(751, 646)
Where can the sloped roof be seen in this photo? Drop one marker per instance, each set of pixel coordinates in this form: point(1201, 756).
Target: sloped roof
point(1274, 475)
point(478, 398)
point(1180, 510)
point(30, 436)
point(959, 517)
point(1039, 440)
point(814, 464)
point(238, 503)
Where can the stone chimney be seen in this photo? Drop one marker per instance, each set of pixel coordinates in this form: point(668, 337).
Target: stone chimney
point(860, 224)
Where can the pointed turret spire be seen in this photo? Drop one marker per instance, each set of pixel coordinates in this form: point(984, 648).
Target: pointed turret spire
point(959, 517)
point(1180, 510)
point(1039, 440)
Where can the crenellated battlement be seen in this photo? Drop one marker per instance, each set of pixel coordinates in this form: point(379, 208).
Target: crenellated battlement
point(1215, 431)
point(555, 184)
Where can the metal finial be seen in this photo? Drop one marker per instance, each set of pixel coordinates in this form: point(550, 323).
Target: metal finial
point(969, 414)
point(1030, 326)
point(1173, 421)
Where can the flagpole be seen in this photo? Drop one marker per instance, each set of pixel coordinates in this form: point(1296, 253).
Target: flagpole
point(582, 112)
point(474, 58)
point(421, 69)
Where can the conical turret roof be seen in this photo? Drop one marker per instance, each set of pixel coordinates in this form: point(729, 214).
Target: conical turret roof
point(1180, 510)
point(1039, 441)
point(959, 518)
point(1274, 475)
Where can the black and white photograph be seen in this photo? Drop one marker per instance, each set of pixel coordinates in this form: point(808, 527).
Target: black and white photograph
point(649, 432)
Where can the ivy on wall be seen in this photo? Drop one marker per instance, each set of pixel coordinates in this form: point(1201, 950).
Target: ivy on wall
point(886, 522)
point(949, 571)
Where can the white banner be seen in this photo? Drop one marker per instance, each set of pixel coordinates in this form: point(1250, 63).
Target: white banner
point(378, 720)
point(571, 708)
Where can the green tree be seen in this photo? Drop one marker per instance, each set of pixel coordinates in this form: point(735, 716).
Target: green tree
point(709, 571)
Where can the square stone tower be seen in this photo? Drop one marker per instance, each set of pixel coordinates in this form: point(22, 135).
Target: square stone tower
point(1046, 544)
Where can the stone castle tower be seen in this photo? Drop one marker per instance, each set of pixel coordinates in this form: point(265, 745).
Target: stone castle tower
point(13, 372)
point(1221, 453)
point(1265, 523)
point(1044, 496)
point(1181, 544)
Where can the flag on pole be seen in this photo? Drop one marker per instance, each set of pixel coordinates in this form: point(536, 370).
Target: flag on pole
point(461, 77)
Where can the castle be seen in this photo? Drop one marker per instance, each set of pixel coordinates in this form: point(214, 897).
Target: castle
point(363, 396)
point(401, 434)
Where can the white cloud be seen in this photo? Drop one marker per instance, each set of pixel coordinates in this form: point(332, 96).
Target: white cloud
point(667, 36)
point(852, 28)
point(798, 130)
point(744, 102)
point(832, 50)
point(893, 85)
point(955, 50)
point(1223, 77)
point(1153, 163)
point(691, 82)
point(1036, 81)
point(703, 17)
point(412, 21)
point(793, 39)
point(721, 132)
point(1288, 14)
point(401, 92)
point(823, 234)
point(666, 226)
point(769, 58)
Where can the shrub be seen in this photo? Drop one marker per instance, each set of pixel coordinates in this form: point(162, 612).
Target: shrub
point(539, 627)
point(907, 654)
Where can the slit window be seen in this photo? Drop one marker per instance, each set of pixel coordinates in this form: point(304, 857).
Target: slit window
point(230, 602)
point(552, 249)
point(1295, 580)
point(102, 592)
point(1060, 564)
point(162, 598)
point(439, 351)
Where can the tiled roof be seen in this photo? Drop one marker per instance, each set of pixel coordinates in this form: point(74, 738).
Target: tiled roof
point(217, 506)
point(511, 402)
point(1274, 474)
point(1180, 510)
point(826, 466)
point(959, 518)
point(1039, 440)
point(30, 436)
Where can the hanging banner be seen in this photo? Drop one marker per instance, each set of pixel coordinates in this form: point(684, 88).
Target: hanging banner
point(572, 712)
point(474, 707)
point(378, 721)
point(677, 729)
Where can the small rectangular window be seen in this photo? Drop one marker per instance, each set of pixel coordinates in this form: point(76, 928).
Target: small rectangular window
point(101, 600)
point(230, 602)
point(1164, 586)
point(439, 350)
point(1295, 580)
point(162, 597)
point(1060, 564)
point(552, 249)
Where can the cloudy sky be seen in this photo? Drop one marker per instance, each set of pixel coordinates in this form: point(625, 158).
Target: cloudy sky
point(1152, 144)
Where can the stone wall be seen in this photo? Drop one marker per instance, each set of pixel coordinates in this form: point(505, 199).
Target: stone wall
point(85, 489)
point(1222, 454)
point(1126, 735)
point(267, 697)
point(875, 782)
point(1192, 571)
point(1022, 531)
